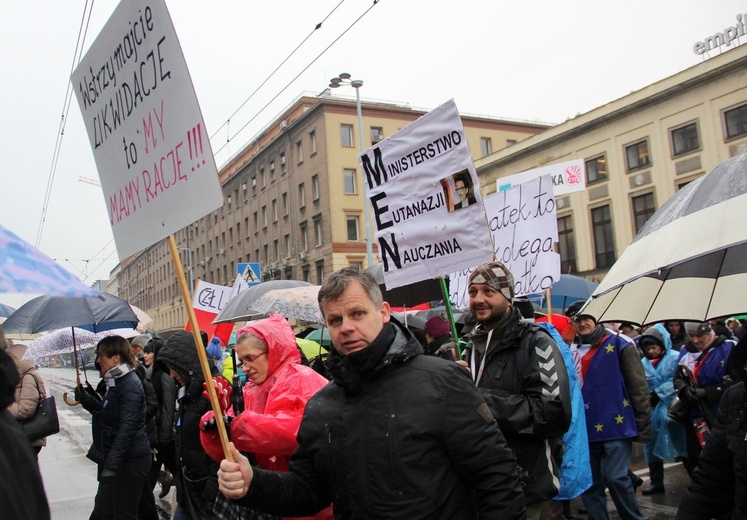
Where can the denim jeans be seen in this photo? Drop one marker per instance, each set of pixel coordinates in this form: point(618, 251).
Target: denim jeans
point(610, 461)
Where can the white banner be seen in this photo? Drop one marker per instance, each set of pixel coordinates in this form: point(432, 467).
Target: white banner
point(145, 127)
point(212, 298)
point(567, 177)
point(426, 201)
point(524, 225)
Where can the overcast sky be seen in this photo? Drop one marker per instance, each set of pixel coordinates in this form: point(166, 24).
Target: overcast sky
point(541, 61)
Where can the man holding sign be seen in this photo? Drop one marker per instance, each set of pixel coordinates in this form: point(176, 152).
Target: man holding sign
point(520, 373)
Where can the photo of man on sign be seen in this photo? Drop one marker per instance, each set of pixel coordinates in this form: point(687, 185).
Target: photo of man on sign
point(459, 190)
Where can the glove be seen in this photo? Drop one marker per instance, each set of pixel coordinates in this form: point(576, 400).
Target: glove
point(107, 475)
point(222, 389)
point(210, 424)
point(84, 397)
point(692, 395)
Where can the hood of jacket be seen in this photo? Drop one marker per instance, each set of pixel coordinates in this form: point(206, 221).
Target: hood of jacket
point(179, 353)
point(277, 333)
point(394, 345)
point(659, 332)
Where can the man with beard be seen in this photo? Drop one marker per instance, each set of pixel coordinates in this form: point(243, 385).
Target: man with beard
point(396, 434)
point(618, 411)
point(520, 372)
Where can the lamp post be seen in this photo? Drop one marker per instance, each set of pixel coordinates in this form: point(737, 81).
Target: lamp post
point(344, 79)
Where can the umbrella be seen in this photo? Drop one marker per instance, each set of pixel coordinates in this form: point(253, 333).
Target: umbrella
point(23, 338)
point(310, 349)
point(143, 320)
point(60, 341)
point(320, 335)
point(297, 302)
point(96, 313)
point(567, 290)
point(25, 269)
point(689, 261)
point(408, 295)
point(239, 308)
point(411, 319)
point(459, 316)
point(6, 310)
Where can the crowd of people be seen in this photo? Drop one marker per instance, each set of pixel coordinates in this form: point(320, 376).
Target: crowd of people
point(506, 421)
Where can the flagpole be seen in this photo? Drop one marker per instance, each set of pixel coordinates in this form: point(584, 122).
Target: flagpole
point(201, 354)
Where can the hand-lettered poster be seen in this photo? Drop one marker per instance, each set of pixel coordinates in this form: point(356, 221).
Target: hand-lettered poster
point(145, 127)
point(425, 196)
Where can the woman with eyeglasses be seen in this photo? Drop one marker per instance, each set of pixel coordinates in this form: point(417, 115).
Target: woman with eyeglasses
point(275, 395)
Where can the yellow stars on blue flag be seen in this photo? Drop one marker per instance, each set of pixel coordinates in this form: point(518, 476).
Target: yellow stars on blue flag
point(626, 403)
point(610, 349)
point(599, 427)
point(619, 419)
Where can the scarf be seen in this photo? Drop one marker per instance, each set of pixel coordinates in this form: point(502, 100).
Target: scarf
point(350, 371)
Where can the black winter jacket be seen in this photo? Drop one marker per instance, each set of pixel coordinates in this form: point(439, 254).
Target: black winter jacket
point(399, 435)
point(721, 475)
point(197, 474)
point(533, 408)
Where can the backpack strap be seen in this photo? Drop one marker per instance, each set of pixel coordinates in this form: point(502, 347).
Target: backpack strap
point(522, 356)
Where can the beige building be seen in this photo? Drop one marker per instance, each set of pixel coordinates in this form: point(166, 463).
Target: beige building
point(638, 151)
point(293, 201)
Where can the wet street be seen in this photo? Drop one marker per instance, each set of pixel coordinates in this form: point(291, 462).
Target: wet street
point(70, 478)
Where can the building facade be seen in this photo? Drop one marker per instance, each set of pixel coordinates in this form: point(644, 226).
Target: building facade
point(638, 151)
point(293, 202)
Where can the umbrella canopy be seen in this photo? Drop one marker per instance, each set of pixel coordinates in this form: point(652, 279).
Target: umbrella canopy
point(320, 335)
point(296, 302)
point(411, 319)
point(143, 320)
point(408, 295)
point(60, 341)
point(239, 308)
point(310, 349)
point(96, 313)
point(23, 338)
point(567, 290)
point(25, 269)
point(689, 262)
point(459, 315)
point(6, 310)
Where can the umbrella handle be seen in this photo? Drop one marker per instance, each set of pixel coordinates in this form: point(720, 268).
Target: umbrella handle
point(68, 401)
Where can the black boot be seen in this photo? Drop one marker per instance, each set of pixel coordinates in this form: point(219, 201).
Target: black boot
point(656, 474)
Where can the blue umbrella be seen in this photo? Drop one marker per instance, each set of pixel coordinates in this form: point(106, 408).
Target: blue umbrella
point(567, 290)
point(6, 310)
point(26, 270)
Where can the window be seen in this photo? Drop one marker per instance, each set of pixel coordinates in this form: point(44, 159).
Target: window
point(312, 140)
point(305, 237)
point(566, 245)
point(357, 265)
point(596, 169)
point(299, 151)
point(315, 186)
point(285, 205)
point(347, 135)
point(643, 208)
point(256, 222)
point(486, 146)
point(377, 134)
point(320, 272)
point(301, 195)
point(254, 185)
point(604, 243)
point(266, 249)
point(287, 246)
point(264, 216)
point(282, 163)
point(349, 176)
point(276, 249)
point(736, 122)
point(318, 232)
point(637, 155)
point(352, 223)
point(262, 177)
point(272, 171)
point(274, 210)
point(685, 139)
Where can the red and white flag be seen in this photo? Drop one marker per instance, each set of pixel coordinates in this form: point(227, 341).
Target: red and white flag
point(209, 300)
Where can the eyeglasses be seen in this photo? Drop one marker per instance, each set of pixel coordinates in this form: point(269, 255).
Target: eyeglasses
point(252, 358)
point(461, 189)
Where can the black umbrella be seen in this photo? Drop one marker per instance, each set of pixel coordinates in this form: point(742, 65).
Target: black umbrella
point(408, 295)
point(239, 308)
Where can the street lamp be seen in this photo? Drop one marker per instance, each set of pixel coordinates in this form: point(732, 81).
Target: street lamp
point(344, 79)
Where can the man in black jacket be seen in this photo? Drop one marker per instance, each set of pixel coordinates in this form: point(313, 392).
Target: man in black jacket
point(520, 372)
point(397, 435)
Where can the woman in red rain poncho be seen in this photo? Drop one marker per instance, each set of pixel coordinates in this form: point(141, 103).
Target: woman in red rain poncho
point(275, 395)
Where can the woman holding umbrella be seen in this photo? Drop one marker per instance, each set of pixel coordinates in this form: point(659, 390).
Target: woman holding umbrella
point(275, 396)
point(120, 420)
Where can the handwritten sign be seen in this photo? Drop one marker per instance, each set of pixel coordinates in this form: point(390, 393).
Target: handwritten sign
point(145, 128)
point(425, 196)
point(524, 225)
point(567, 177)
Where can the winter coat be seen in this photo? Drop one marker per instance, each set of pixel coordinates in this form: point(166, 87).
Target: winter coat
point(165, 390)
point(719, 482)
point(196, 478)
point(529, 395)
point(29, 392)
point(151, 406)
point(398, 435)
point(441, 347)
point(120, 421)
point(273, 410)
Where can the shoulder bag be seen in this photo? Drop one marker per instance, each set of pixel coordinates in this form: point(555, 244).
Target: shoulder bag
point(44, 421)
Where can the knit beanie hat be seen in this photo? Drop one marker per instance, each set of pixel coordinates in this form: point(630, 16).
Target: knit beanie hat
point(213, 350)
point(496, 275)
point(437, 327)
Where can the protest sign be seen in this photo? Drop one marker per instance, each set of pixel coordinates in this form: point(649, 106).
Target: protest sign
point(524, 226)
point(426, 201)
point(144, 124)
point(567, 177)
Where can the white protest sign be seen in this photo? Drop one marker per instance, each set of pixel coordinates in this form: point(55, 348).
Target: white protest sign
point(524, 226)
point(426, 201)
point(567, 177)
point(144, 124)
